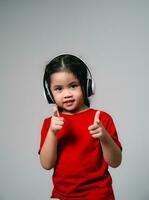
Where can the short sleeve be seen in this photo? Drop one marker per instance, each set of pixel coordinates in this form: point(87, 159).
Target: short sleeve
point(111, 128)
point(44, 131)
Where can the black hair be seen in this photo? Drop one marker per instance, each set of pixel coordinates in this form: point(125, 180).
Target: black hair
point(69, 63)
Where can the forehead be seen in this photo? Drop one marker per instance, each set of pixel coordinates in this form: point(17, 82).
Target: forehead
point(63, 77)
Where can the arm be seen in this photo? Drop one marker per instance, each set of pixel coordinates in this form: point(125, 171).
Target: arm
point(111, 152)
point(48, 154)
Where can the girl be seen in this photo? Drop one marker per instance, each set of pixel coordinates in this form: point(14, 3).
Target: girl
point(77, 141)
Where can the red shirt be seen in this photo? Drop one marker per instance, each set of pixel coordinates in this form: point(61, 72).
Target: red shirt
point(80, 171)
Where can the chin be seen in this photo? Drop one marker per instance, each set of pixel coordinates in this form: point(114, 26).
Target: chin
point(71, 110)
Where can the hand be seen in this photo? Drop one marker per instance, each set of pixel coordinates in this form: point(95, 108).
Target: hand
point(56, 121)
point(96, 129)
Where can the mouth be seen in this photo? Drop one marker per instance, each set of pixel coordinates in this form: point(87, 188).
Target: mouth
point(69, 102)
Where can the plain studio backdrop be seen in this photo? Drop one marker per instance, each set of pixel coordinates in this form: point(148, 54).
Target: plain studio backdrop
point(111, 36)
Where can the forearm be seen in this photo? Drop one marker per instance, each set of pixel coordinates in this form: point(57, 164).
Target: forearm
point(48, 154)
point(111, 152)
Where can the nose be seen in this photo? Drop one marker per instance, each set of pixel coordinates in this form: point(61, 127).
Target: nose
point(67, 94)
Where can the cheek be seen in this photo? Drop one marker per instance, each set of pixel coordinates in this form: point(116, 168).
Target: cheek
point(81, 95)
point(56, 97)
point(83, 92)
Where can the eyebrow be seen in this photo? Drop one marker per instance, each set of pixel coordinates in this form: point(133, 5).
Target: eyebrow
point(55, 86)
point(71, 83)
point(74, 82)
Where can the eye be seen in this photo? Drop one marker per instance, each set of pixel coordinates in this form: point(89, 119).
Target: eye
point(74, 85)
point(58, 88)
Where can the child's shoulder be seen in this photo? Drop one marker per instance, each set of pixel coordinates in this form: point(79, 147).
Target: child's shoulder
point(46, 121)
point(103, 114)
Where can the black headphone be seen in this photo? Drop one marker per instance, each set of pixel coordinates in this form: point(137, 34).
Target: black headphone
point(90, 87)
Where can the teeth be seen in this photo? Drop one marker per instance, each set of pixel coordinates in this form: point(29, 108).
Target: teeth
point(69, 101)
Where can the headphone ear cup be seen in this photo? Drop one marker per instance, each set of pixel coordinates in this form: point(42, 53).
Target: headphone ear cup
point(90, 87)
point(49, 99)
point(47, 93)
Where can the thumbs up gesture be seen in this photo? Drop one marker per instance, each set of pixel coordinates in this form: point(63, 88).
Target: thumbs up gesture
point(96, 129)
point(56, 121)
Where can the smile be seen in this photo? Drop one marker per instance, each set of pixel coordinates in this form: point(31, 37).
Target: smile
point(69, 102)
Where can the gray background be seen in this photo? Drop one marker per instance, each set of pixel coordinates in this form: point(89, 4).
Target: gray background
point(111, 36)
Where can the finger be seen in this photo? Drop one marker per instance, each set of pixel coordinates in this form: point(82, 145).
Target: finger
point(96, 136)
point(56, 112)
point(59, 122)
point(93, 127)
point(96, 118)
point(95, 131)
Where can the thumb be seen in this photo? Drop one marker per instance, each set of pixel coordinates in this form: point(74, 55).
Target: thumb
point(55, 111)
point(96, 118)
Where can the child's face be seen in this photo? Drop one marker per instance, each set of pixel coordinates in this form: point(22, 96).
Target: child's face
point(67, 92)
